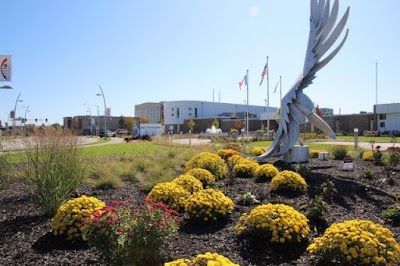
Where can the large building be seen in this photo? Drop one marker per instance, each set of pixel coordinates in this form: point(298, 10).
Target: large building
point(387, 117)
point(91, 125)
point(153, 111)
point(175, 113)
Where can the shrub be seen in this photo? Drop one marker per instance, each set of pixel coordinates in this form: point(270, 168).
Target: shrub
point(125, 235)
point(171, 194)
point(378, 156)
point(265, 172)
point(54, 168)
point(188, 182)
point(368, 174)
point(318, 208)
point(212, 259)
point(393, 214)
point(233, 160)
point(247, 199)
point(368, 156)
point(392, 157)
point(209, 161)
point(256, 151)
point(208, 205)
point(339, 152)
point(227, 153)
point(356, 242)
point(233, 146)
point(288, 181)
point(203, 175)
point(328, 191)
point(277, 222)
point(70, 215)
point(245, 168)
point(206, 259)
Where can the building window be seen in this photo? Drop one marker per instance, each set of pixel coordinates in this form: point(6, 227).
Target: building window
point(382, 116)
point(190, 114)
point(172, 114)
point(190, 108)
point(172, 109)
point(383, 124)
point(195, 112)
point(177, 112)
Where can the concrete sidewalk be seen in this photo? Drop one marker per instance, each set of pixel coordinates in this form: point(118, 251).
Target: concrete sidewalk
point(363, 145)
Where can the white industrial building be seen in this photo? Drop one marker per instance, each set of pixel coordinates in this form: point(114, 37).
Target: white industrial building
point(176, 112)
point(388, 117)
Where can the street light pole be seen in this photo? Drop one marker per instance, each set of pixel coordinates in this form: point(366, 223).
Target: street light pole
point(26, 110)
point(105, 112)
point(91, 120)
point(15, 114)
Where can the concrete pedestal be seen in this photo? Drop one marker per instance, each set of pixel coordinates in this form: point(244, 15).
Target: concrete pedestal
point(323, 155)
point(298, 154)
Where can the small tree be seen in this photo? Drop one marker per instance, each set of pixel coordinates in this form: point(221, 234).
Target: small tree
point(129, 121)
point(215, 123)
point(238, 124)
point(190, 124)
point(144, 120)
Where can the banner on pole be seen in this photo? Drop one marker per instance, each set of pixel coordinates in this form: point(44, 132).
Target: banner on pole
point(5, 68)
point(108, 112)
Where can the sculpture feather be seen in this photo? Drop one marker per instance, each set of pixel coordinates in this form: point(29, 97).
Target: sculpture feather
point(296, 107)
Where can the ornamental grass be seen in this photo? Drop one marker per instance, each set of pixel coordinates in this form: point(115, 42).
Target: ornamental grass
point(69, 217)
point(209, 161)
point(278, 223)
point(288, 181)
point(171, 194)
point(356, 242)
point(208, 205)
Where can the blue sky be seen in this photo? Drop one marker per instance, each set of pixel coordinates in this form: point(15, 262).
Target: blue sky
point(151, 51)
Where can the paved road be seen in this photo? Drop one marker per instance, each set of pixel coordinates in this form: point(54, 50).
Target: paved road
point(19, 143)
point(364, 145)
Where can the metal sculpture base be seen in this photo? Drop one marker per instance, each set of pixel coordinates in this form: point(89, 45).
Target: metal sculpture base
point(298, 154)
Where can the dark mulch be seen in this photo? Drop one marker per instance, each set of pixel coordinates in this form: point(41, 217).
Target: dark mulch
point(26, 238)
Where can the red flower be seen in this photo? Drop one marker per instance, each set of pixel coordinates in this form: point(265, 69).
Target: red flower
point(120, 229)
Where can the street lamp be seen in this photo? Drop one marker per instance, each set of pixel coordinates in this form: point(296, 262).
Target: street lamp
point(6, 87)
point(105, 111)
point(26, 110)
point(91, 120)
point(15, 113)
point(98, 118)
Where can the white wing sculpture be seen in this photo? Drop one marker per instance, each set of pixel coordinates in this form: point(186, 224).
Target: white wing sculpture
point(296, 107)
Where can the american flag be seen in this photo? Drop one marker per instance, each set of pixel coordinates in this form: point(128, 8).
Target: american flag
point(265, 72)
point(243, 82)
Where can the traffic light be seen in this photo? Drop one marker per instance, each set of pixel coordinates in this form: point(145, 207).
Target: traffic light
point(46, 120)
point(35, 119)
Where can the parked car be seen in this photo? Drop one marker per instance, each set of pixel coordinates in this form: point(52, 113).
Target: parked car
point(121, 131)
point(109, 133)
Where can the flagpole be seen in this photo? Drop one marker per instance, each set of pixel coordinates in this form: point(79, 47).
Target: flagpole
point(267, 97)
point(247, 113)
